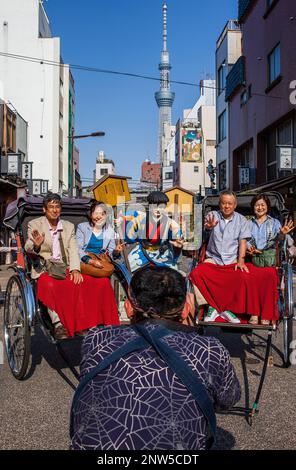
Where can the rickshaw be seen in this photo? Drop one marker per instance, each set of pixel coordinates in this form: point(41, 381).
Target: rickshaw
point(285, 287)
point(21, 309)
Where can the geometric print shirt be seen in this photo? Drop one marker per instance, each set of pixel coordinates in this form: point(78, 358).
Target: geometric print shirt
point(138, 402)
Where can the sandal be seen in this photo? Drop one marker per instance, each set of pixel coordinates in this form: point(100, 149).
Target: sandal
point(253, 320)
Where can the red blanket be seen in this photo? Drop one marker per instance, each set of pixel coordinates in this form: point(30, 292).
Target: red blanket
point(81, 306)
point(224, 288)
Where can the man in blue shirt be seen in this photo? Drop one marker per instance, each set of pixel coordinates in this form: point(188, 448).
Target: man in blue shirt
point(228, 235)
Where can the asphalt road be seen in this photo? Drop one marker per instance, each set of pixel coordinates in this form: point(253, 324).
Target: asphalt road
point(34, 413)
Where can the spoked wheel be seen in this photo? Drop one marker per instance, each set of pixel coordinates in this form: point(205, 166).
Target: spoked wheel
point(17, 331)
point(288, 313)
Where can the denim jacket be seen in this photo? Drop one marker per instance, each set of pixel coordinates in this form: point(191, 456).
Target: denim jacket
point(83, 235)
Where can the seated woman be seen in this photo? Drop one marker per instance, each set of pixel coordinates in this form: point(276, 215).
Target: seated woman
point(95, 237)
point(75, 303)
point(265, 231)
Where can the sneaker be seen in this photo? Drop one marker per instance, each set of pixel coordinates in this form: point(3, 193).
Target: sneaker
point(211, 315)
point(60, 332)
point(229, 316)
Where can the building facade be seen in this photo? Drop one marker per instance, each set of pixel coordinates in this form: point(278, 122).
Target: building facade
point(228, 50)
point(151, 173)
point(169, 156)
point(104, 166)
point(260, 90)
point(196, 141)
point(38, 90)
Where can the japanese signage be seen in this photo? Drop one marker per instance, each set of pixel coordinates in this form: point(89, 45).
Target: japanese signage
point(244, 175)
point(285, 158)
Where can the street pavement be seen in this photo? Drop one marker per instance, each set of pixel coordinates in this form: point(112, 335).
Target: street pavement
point(34, 413)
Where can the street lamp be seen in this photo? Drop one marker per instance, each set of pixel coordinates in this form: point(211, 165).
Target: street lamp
point(72, 137)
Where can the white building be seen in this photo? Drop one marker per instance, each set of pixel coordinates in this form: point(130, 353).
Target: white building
point(39, 91)
point(104, 166)
point(169, 156)
point(228, 50)
point(196, 140)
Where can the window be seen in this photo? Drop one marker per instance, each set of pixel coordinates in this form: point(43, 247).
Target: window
point(285, 133)
point(221, 78)
point(104, 171)
point(168, 176)
point(10, 142)
point(222, 175)
point(196, 169)
point(270, 4)
point(271, 160)
point(222, 126)
point(274, 64)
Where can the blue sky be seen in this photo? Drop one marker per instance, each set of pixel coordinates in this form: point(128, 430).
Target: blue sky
point(126, 35)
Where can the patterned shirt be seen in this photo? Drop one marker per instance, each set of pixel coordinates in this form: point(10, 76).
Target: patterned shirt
point(224, 239)
point(139, 403)
point(265, 232)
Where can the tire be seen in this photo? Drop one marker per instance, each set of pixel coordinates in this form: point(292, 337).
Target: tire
point(17, 330)
point(288, 313)
point(288, 338)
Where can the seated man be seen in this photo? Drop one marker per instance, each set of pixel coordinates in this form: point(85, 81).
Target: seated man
point(138, 401)
point(71, 306)
point(218, 285)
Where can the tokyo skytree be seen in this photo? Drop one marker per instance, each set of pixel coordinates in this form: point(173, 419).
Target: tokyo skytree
point(164, 97)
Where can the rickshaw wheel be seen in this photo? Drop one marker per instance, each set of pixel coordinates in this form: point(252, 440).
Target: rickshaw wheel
point(17, 331)
point(288, 313)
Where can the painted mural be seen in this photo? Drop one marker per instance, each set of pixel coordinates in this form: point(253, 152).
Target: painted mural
point(191, 145)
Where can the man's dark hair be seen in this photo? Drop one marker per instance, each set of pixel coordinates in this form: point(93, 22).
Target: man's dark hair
point(51, 197)
point(157, 197)
point(157, 292)
point(257, 198)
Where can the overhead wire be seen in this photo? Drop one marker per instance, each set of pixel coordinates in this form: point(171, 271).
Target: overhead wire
point(116, 72)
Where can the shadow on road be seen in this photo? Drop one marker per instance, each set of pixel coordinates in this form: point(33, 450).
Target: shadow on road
point(224, 440)
point(42, 348)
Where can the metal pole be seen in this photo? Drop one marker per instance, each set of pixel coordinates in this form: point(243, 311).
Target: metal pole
point(72, 164)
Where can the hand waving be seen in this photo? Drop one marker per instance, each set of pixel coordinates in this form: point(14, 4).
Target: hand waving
point(210, 222)
point(37, 239)
point(287, 227)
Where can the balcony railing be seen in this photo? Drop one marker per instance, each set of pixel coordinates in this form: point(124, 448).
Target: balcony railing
point(190, 122)
point(231, 25)
point(236, 78)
